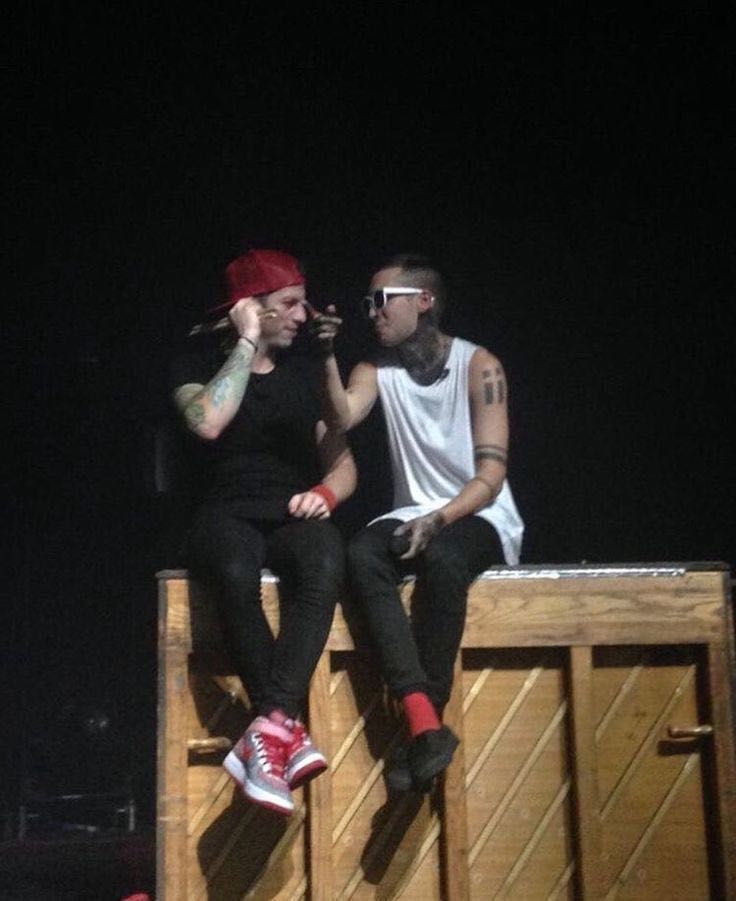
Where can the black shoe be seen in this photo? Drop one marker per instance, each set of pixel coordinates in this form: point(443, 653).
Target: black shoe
point(398, 774)
point(430, 753)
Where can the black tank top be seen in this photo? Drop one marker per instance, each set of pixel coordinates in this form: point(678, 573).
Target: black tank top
point(268, 452)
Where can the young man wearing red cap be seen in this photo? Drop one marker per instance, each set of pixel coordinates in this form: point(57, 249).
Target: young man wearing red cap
point(444, 402)
point(273, 475)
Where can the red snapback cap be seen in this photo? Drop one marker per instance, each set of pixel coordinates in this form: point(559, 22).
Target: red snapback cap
point(260, 272)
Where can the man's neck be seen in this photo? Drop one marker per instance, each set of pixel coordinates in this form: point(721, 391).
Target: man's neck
point(425, 353)
point(264, 361)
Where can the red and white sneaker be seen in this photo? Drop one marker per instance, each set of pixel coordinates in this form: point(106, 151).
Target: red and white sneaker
point(303, 760)
point(257, 764)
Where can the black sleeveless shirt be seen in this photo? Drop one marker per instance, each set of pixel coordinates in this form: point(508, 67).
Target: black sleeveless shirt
point(268, 452)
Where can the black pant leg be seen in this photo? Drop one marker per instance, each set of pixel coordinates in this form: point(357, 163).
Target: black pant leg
point(374, 574)
point(445, 570)
point(227, 554)
point(308, 555)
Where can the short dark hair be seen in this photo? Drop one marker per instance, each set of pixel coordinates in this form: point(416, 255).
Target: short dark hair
point(421, 272)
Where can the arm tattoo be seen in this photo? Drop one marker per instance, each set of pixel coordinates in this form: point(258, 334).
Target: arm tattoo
point(494, 386)
point(490, 452)
point(195, 414)
point(232, 379)
point(234, 375)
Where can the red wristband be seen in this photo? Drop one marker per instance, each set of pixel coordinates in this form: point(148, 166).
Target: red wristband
point(328, 494)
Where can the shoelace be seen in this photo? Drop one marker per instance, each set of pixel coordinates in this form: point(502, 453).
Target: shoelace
point(270, 753)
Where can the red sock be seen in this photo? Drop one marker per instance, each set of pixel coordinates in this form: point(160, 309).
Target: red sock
point(420, 713)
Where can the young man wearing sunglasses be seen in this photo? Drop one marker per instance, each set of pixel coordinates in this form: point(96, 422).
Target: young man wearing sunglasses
point(274, 473)
point(444, 400)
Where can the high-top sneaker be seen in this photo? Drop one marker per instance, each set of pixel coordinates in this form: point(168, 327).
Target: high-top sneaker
point(303, 760)
point(257, 764)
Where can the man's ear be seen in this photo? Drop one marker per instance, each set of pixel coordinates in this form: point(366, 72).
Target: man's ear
point(426, 301)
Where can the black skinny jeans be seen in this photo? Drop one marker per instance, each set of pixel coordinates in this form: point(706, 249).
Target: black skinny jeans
point(419, 655)
point(227, 553)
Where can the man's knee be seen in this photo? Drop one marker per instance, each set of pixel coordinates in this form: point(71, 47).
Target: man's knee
point(445, 562)
point(324, 551)
point(364, 549)
point(236, 572)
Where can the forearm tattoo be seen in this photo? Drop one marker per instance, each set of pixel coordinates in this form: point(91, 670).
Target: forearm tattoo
point(490, 452)
point(232, 379)
point(229, 383)
point(494, 386)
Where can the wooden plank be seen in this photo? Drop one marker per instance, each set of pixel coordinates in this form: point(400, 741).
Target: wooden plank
point(548, 611)
point(454, 810)
point(175, 612)
point(538, 612)
point(319, 790)
point(588, 839)
point(720, 673)
point(545, 610)
point(722, 679)
point(171, 800)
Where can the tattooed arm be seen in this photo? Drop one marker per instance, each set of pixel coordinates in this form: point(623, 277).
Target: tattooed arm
point(489, 422)
point(490, 426)
point(208, 409)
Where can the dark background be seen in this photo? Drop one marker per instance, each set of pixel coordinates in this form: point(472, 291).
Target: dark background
point(572, 174)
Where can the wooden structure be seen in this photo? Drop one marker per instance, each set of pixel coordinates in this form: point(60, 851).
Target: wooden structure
point(595, 707)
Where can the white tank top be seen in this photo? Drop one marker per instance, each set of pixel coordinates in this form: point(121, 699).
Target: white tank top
point(431, 446)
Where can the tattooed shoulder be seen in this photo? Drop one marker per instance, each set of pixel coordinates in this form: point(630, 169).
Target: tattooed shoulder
point(494, 385)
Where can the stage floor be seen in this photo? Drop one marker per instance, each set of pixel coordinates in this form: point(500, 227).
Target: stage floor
point(78, 868)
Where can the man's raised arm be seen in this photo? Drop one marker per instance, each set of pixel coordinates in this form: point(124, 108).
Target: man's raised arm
point(343, 408)
point(208, 409)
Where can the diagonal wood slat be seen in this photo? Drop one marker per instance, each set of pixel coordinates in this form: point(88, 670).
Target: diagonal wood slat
point(690, 763)
point(536, 837)
point(644, 747)
point(562, 882)
point(621, 695)
point(500, 730)
point(518, 780)
point(357, 730)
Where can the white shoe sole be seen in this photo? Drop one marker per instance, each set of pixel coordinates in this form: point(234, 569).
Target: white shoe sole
point(235, 767)
point(311, 765)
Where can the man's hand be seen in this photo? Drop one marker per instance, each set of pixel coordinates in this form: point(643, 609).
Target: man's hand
point(309, 505)
point(324, 327)
point(245, 316)
point(420, 532)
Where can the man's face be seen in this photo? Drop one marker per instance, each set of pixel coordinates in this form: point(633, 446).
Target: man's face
point(288, 304)
point(398, 318)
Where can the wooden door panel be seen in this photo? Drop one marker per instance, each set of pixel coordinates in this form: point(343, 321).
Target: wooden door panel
point(651, 788)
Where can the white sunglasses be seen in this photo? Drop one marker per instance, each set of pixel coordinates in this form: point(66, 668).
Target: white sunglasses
point(381, 296)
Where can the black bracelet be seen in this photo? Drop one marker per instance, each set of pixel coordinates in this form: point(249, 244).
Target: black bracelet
point(246, 338)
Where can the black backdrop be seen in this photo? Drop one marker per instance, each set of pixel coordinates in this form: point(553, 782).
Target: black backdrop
point(571, 173)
